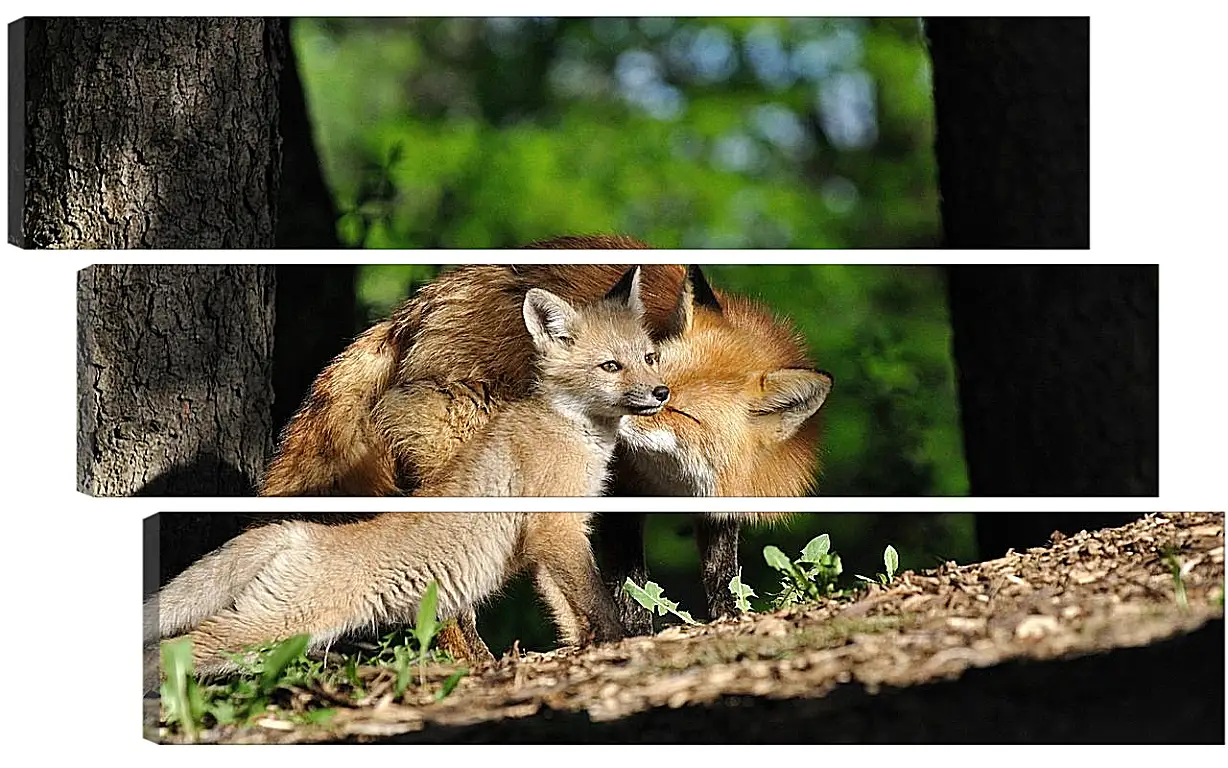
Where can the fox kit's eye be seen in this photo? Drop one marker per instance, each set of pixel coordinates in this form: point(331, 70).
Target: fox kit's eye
point(610, 366)
point(651, 358)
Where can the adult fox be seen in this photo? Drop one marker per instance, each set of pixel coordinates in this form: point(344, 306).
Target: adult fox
point(389, 412)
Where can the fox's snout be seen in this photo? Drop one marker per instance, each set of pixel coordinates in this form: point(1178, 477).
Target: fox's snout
point(645, 401)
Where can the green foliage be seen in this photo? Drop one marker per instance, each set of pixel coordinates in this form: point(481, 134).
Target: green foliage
point(262, 671)
point(652, 597)
point(739, 133)
point(279, 659)
point(450, 684)
point(891, 562)
point(265, 671)
point(741, 592)
point(426, 627)
point(813, 576)
point(810, 577)
point(181, 695)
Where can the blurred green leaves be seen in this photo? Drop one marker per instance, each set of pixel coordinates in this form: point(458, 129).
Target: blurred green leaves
point(685, 132)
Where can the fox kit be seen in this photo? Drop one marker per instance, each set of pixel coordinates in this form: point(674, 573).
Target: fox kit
point(391, 410)
point(597, 367)
point(294, 577)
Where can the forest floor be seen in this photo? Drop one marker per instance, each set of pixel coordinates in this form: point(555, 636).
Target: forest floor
point(1113, 635)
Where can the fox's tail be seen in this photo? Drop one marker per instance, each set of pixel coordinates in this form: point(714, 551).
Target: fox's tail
point(213, 583)
point(331, 446)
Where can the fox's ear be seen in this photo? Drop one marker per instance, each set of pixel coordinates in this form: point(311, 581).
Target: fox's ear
point(790, 396)
point(627, 291)
point(704, 295)
point(695, 293)
point(548, 317)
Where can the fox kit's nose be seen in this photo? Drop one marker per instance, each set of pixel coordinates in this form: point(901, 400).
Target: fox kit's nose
point(661, 393)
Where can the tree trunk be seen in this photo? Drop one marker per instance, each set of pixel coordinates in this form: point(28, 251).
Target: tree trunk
point(1012, 105)
point(174, 367)
point(1057, 368)
point(150, 132)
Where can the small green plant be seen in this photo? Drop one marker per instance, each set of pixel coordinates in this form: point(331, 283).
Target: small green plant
point(449, 685)
point(741, 592)
point(812, 576)
point(426, 627)
point(181, 696)
point(652, 597)
point(891, 562)
point(1174, 567)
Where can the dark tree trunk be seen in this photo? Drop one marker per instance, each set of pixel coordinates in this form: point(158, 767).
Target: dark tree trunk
point(1057, 368)
point(174, 369)
point(1058, 372)
point(306, 216)
point(150, 132)
point(1012, 105)
point(315, 321)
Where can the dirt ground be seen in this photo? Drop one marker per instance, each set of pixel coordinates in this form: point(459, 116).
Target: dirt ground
point(1086, 640)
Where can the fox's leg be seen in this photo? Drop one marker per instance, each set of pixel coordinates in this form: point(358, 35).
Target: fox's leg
point(425, 423)
point(572, 628)
point(461, 639)
point(622, 557)
point(717, 537)
point(558, 543)
point(467, 622)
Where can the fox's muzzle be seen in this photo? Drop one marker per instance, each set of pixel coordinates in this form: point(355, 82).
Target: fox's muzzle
point(646, 403)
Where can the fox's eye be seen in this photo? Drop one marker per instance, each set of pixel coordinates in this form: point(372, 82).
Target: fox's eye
point(610, 366)
point(651, 358)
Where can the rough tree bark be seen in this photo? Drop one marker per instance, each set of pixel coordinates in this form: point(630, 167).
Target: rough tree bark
point(150, 132)
point(174, 370)
point(1012, 105)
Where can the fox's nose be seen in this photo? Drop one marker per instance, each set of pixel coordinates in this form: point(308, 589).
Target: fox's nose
point(661, 393)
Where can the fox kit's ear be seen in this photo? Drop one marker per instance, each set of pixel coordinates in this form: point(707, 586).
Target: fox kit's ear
point(695, 293)
point(548, 318)
point(627, 291)
point(790, 396)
